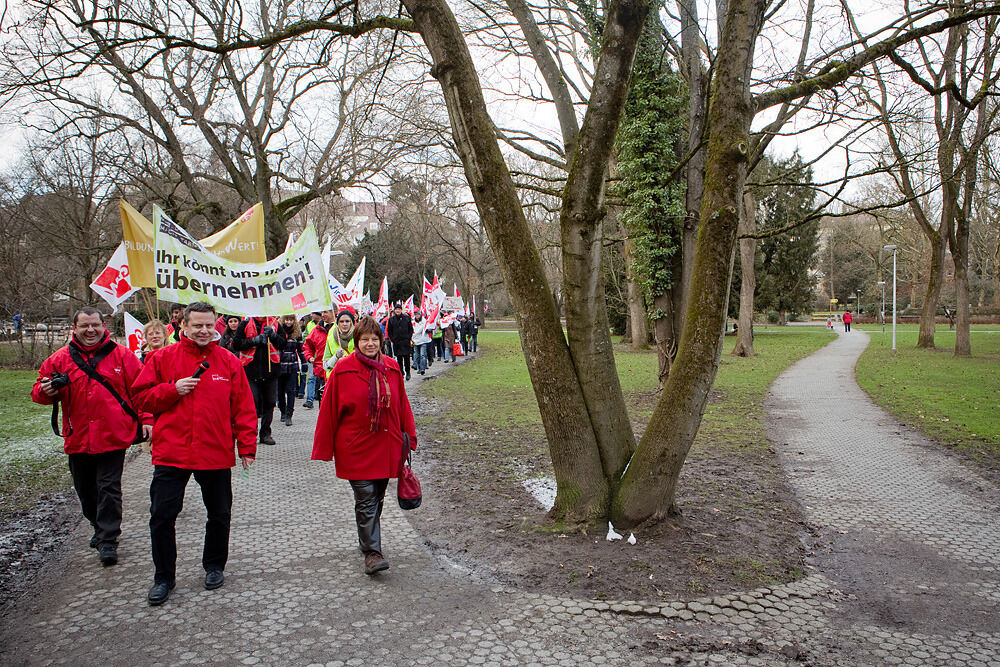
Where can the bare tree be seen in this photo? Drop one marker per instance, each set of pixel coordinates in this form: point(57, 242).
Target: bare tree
point(283, 125)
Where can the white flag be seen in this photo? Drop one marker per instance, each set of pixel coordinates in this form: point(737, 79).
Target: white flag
point(113, 284)
point(133, 335)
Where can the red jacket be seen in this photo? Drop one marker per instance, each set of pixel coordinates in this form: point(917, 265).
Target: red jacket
point(97, 421)
point(847, 317)
point(343, 429)
point(196, 432)
point(314, 347)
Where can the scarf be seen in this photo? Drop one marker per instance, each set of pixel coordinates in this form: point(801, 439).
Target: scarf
point(345, 340)
point(378, 389)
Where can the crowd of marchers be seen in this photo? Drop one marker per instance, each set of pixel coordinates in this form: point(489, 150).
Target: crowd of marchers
point(202, 395)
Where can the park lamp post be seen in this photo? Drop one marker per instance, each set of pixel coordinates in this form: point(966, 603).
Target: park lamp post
point(881, 284)
point(893, 249)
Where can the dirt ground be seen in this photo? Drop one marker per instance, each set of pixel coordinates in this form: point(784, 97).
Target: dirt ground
point(740, 525)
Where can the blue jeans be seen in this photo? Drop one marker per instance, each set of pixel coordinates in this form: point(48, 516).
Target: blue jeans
point(420, 357)
point(448, 353)
point(311, 385)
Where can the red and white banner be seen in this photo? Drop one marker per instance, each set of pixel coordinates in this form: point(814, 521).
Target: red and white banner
point(382, 307)
point(133, 335)
point(113, 284)
point(408, 306)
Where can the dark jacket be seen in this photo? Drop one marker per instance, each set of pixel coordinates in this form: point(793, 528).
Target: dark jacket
point(400, 331)
point(262, 367)
point(291, 355)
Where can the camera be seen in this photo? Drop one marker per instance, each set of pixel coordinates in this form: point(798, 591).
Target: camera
point(58, 381)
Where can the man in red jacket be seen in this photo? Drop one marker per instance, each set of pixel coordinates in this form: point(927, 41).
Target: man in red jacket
point(97, 428)
point(199, 416)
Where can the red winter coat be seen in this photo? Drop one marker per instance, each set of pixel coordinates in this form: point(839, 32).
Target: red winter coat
point(314, 346)
point(98, 422)
point(343, 429)
point(847, 317)
point(197, 431)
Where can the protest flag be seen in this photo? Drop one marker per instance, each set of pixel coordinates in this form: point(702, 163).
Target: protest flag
point(114, 284)
point(382, 307)
point(408, 306)
point(357, 282)
point(133, 335)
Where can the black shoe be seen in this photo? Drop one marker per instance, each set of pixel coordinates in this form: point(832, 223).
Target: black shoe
point(94, 542)
point(214, 579)
point(158, 594)
point(288, 420)
point(267, 440)
point(308, 405)
point(108, 553)
point(300, 396)
point(407, 376)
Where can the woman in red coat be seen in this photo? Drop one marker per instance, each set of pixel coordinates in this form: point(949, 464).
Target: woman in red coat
point(362, 420)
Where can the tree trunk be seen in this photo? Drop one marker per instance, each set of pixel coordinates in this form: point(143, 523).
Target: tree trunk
point(694, 73)
point(582, 488)
point(935, 276)
point(580, 220)
point(649, 485)
point(748, 285)
point(638, 321)
point(963, 344)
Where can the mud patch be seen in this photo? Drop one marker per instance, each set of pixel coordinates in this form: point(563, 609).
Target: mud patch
point(738, 527)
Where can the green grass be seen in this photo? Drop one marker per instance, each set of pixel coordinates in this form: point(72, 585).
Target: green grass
point(495, 390)
point(32, 462)
point(951, 399)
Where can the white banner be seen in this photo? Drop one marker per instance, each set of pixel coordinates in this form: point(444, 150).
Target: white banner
point(291, 283)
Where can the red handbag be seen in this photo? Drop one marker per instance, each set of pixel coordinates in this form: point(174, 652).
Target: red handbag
point(408, 486)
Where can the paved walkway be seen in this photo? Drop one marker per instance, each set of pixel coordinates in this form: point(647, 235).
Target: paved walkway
point(905, 571)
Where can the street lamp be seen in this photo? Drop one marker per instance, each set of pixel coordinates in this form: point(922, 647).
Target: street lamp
point(893, 249)
point(881, 284)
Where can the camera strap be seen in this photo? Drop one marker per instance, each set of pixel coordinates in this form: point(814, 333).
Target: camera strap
point(89, 366)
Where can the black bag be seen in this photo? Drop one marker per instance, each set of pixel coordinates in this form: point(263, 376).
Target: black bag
point(90, 368)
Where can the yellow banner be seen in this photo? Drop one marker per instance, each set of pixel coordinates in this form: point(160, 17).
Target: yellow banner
point(241, 241)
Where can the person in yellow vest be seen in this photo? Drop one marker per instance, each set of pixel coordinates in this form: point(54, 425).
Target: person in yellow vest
point(340, 341)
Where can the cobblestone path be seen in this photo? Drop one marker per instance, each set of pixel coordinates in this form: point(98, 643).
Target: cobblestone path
point(904, 571)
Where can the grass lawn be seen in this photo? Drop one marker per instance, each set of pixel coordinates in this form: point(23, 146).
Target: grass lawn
point(32, 461)
point(954, 400)
point(496, 389)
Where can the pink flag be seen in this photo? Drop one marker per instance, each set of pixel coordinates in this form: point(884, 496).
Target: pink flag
point(408, 306)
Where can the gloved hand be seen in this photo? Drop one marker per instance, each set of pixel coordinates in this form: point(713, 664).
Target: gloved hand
point(330, 363)
point(260, 339)
point(340, 353)
point(304, 368)
point(267, 331)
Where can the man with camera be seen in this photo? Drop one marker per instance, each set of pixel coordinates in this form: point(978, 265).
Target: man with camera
point(92, 378)
point(203, 406)
point(256, 342)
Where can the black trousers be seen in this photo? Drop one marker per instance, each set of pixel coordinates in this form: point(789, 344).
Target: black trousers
point(404, 364)
point(166, 496)
point(287, 388)
point(97, 479)
point(474, 342)
point(369, 495)
point(265, 392)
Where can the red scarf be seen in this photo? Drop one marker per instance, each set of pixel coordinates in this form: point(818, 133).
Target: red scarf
point(378, 389)
point(246, 356)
